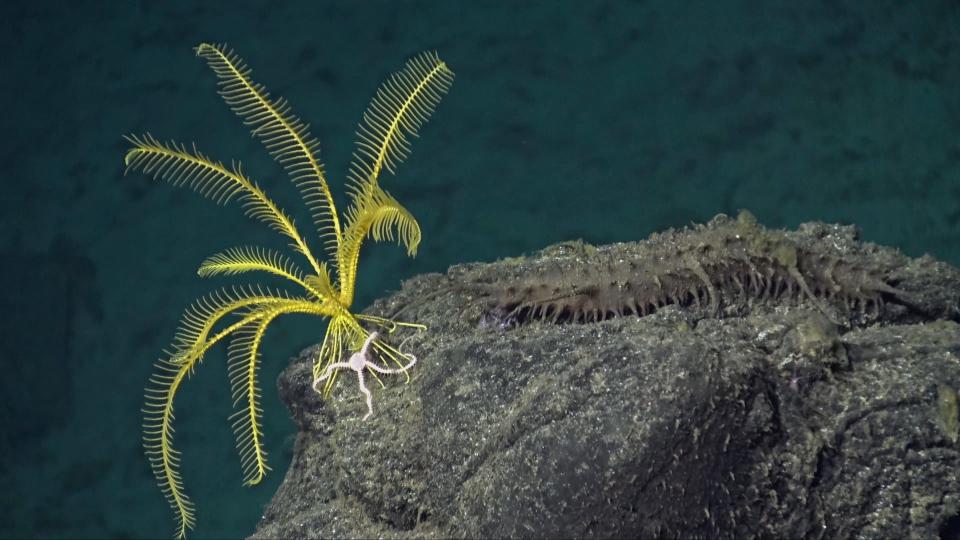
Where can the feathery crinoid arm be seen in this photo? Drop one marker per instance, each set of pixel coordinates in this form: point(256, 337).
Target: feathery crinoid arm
point(244, 365)
point(400, 107)
point(378, 217)
point(256, 259)
point(402, 104)
point(188, 347)
point(181, 166)
point(195, 337)
point(285, 136)
point(196, 334)
point(158, 440)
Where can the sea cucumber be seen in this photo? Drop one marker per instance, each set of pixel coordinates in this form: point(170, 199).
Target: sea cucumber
point(722, 268)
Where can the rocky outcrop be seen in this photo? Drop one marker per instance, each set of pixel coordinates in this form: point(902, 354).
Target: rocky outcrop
point(778, 415)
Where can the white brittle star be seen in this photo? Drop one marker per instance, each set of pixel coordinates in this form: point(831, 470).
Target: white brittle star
point(359, 361)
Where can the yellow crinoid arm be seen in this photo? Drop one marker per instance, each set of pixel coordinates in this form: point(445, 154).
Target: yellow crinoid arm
point(173, 370)
point(244, 363)
point(398, 110)
point(200, 319)
point(158, 440)
point(377, 218)
point(256, 259)
point(176, 164)
point(285, 136)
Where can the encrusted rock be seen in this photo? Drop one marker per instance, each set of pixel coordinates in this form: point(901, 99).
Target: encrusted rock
point(780, 415)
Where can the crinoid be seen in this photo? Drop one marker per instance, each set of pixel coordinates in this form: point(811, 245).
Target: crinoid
point(400, 107)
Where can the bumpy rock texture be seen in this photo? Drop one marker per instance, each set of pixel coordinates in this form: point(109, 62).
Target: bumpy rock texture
point(741, 407)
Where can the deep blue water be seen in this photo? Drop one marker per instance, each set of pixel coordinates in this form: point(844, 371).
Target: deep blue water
point(568, 119)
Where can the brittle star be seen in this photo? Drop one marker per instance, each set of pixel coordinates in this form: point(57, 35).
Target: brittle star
point(359, 361)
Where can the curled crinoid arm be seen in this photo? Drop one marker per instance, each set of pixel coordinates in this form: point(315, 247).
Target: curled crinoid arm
point(362, 360)
point(387, 351)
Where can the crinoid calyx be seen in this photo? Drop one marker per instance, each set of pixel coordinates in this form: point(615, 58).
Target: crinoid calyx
point(326, 289)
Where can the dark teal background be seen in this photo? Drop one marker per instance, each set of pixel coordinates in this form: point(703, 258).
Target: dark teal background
point(569, 119)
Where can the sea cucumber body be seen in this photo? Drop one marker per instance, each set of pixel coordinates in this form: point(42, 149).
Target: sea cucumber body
point(722, 266)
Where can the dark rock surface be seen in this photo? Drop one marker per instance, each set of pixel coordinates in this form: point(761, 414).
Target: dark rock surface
point(770, 420)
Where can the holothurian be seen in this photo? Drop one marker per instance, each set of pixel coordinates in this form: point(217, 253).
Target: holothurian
point(723, 268)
